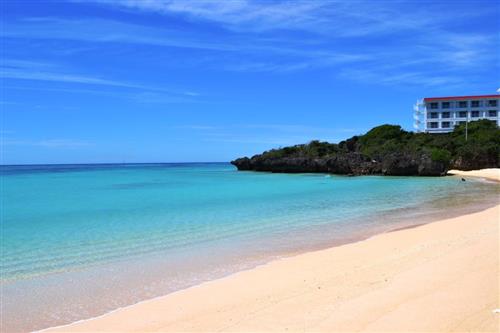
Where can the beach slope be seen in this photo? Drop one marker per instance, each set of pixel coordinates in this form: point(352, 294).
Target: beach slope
point(442, 276)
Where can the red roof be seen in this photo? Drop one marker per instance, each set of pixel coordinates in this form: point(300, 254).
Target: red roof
point(456, 98)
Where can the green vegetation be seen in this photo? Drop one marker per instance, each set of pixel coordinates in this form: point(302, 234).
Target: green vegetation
point(481, 149)
point(440, 155)
point(313, 149)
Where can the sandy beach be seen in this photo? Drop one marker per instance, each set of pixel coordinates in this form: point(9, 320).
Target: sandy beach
point(442, 276)
point(491, 174)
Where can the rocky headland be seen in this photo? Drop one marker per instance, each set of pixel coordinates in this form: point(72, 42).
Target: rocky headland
point(387, 150)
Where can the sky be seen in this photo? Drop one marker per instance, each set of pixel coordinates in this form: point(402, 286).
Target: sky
point(198, 81)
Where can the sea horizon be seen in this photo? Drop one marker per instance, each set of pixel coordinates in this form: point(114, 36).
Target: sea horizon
point(110, 163)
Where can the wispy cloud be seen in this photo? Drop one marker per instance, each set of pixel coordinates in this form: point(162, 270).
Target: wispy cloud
point(96, 30)
point(284, 37)
point(301, 62)
point(268, 135)
point(257, 50)
point(59, 77)
point(342, 18)
point(267, 127)
point(48, 143)
point(272, 141)
point(424, 47)
point(398, 78)
point(151, 97)
point(299, 128)
point(43, 71)
point(441, 60)
point(199, 127)
point(236, 13)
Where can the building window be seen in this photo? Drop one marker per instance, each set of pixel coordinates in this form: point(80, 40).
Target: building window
point(462, 104)
point(433, 115)
point(474, 114)
point(492, 102)
point(445, 124)
point(492, 113)
point(434, 105)
point(461, 122)
point(462, 114)
point(445, 115)
point(445, 105)
point(433, 125)
point(474, 104)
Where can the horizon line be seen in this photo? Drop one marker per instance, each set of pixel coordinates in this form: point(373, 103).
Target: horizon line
point(110, 163)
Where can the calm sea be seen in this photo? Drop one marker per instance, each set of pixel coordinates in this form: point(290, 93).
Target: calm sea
point(80, 240)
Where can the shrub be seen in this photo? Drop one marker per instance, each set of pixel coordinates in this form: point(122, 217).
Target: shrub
point(440, 155)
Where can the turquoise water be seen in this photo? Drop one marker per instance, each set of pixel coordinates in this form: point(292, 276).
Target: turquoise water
point(151, 229)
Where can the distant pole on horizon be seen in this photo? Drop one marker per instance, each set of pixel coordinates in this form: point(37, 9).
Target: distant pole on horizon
point(466, 126)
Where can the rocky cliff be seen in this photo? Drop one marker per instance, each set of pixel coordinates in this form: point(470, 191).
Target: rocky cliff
point(348, 164)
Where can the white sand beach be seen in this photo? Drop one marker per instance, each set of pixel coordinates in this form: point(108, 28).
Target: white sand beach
point(491, 174)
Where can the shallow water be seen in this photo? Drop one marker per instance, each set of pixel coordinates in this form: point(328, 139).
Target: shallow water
point(81, 240)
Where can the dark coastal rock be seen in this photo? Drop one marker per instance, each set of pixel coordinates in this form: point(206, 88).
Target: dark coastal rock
point(404, 164)
point(400, 164)
point(287, 165)
point(475, 162)
point(428, 167)
point(242, 163)
point(343, 164)
point(346, 164)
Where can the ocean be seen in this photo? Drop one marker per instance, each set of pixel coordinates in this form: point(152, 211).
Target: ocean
point(78, 241)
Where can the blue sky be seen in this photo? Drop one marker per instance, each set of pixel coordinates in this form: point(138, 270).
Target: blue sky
point(171, 81)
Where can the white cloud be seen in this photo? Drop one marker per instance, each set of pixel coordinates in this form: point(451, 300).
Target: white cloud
point(95, 30)
point(198, 127)
point(42, 71)
point(235, 13)
point(271, 135)
point(233, 45)
point(342, 18)
point(387, 42)
point(61, 143)
point(47, 143)
point(60, 77)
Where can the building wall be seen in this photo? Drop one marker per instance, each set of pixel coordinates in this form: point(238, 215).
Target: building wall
point(443, 115)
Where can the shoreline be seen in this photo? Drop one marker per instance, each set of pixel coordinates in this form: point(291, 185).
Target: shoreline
point(152, 308)
point(360, 237)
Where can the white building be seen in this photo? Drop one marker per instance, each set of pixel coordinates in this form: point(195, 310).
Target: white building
point(442, 114)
